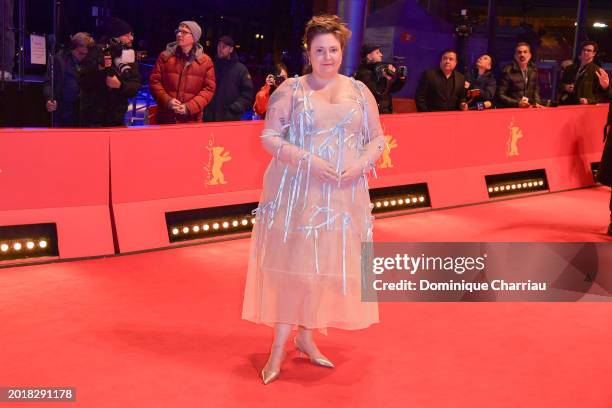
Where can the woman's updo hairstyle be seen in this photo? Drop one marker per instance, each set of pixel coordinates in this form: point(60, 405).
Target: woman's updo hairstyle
point(326, 24)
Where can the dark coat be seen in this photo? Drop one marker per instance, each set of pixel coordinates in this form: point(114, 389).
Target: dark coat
point(486, 83)
point(604, 174)
point(511, 86)
point(430, 94)
point(234, 94)
point(381, 88)
point(66, 89)
point(101, 105)
point(586, 84)
point(188, 78)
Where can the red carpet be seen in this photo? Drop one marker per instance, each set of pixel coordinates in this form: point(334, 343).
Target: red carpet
point(163, 329)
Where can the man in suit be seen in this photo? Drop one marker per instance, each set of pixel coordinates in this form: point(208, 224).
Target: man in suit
point(442, 88)
point(580, 82)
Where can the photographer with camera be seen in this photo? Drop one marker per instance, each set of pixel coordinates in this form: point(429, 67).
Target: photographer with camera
point(580, 80)
point(64, 100)
point(183, 79)
point(273, 81)
point(109, 77)
point(481, 84)
point(380, 77)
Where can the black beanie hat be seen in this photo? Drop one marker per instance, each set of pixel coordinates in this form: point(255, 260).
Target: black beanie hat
point(115, 27)
point(368, 48)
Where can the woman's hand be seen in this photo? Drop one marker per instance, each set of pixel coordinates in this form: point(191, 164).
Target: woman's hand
point(351, 173)
point(323, 170)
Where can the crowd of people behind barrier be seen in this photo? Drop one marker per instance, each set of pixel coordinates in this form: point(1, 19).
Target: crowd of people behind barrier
point(92, 82)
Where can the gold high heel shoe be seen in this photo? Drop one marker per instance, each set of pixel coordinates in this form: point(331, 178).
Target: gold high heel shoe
point(271, 376)
point(320, 361)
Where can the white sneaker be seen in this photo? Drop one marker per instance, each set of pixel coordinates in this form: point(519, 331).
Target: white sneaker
point(7, 76)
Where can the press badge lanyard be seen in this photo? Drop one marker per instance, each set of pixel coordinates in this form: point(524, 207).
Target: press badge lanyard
point(580, 72)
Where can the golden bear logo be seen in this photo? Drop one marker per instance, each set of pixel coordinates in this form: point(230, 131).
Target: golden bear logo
point(515, 134)
point(216, 157)
point(385, 158)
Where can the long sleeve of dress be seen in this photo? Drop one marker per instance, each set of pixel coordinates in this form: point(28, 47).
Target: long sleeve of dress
point(375, 145)
point(277, 125)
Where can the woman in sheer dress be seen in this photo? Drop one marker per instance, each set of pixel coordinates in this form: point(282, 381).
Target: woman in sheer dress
point(324, 135)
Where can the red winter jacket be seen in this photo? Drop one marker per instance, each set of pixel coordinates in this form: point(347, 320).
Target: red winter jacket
point(190, 79)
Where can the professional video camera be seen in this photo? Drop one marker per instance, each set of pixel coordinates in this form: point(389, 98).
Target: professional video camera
point(121, 56)
point(401, 71)
point(464, 25)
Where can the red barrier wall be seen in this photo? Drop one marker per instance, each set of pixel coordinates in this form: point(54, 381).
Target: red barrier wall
point(59, 176)
point(453, 152)
point(62, 176)
point(162, 169)
point(170, 168)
